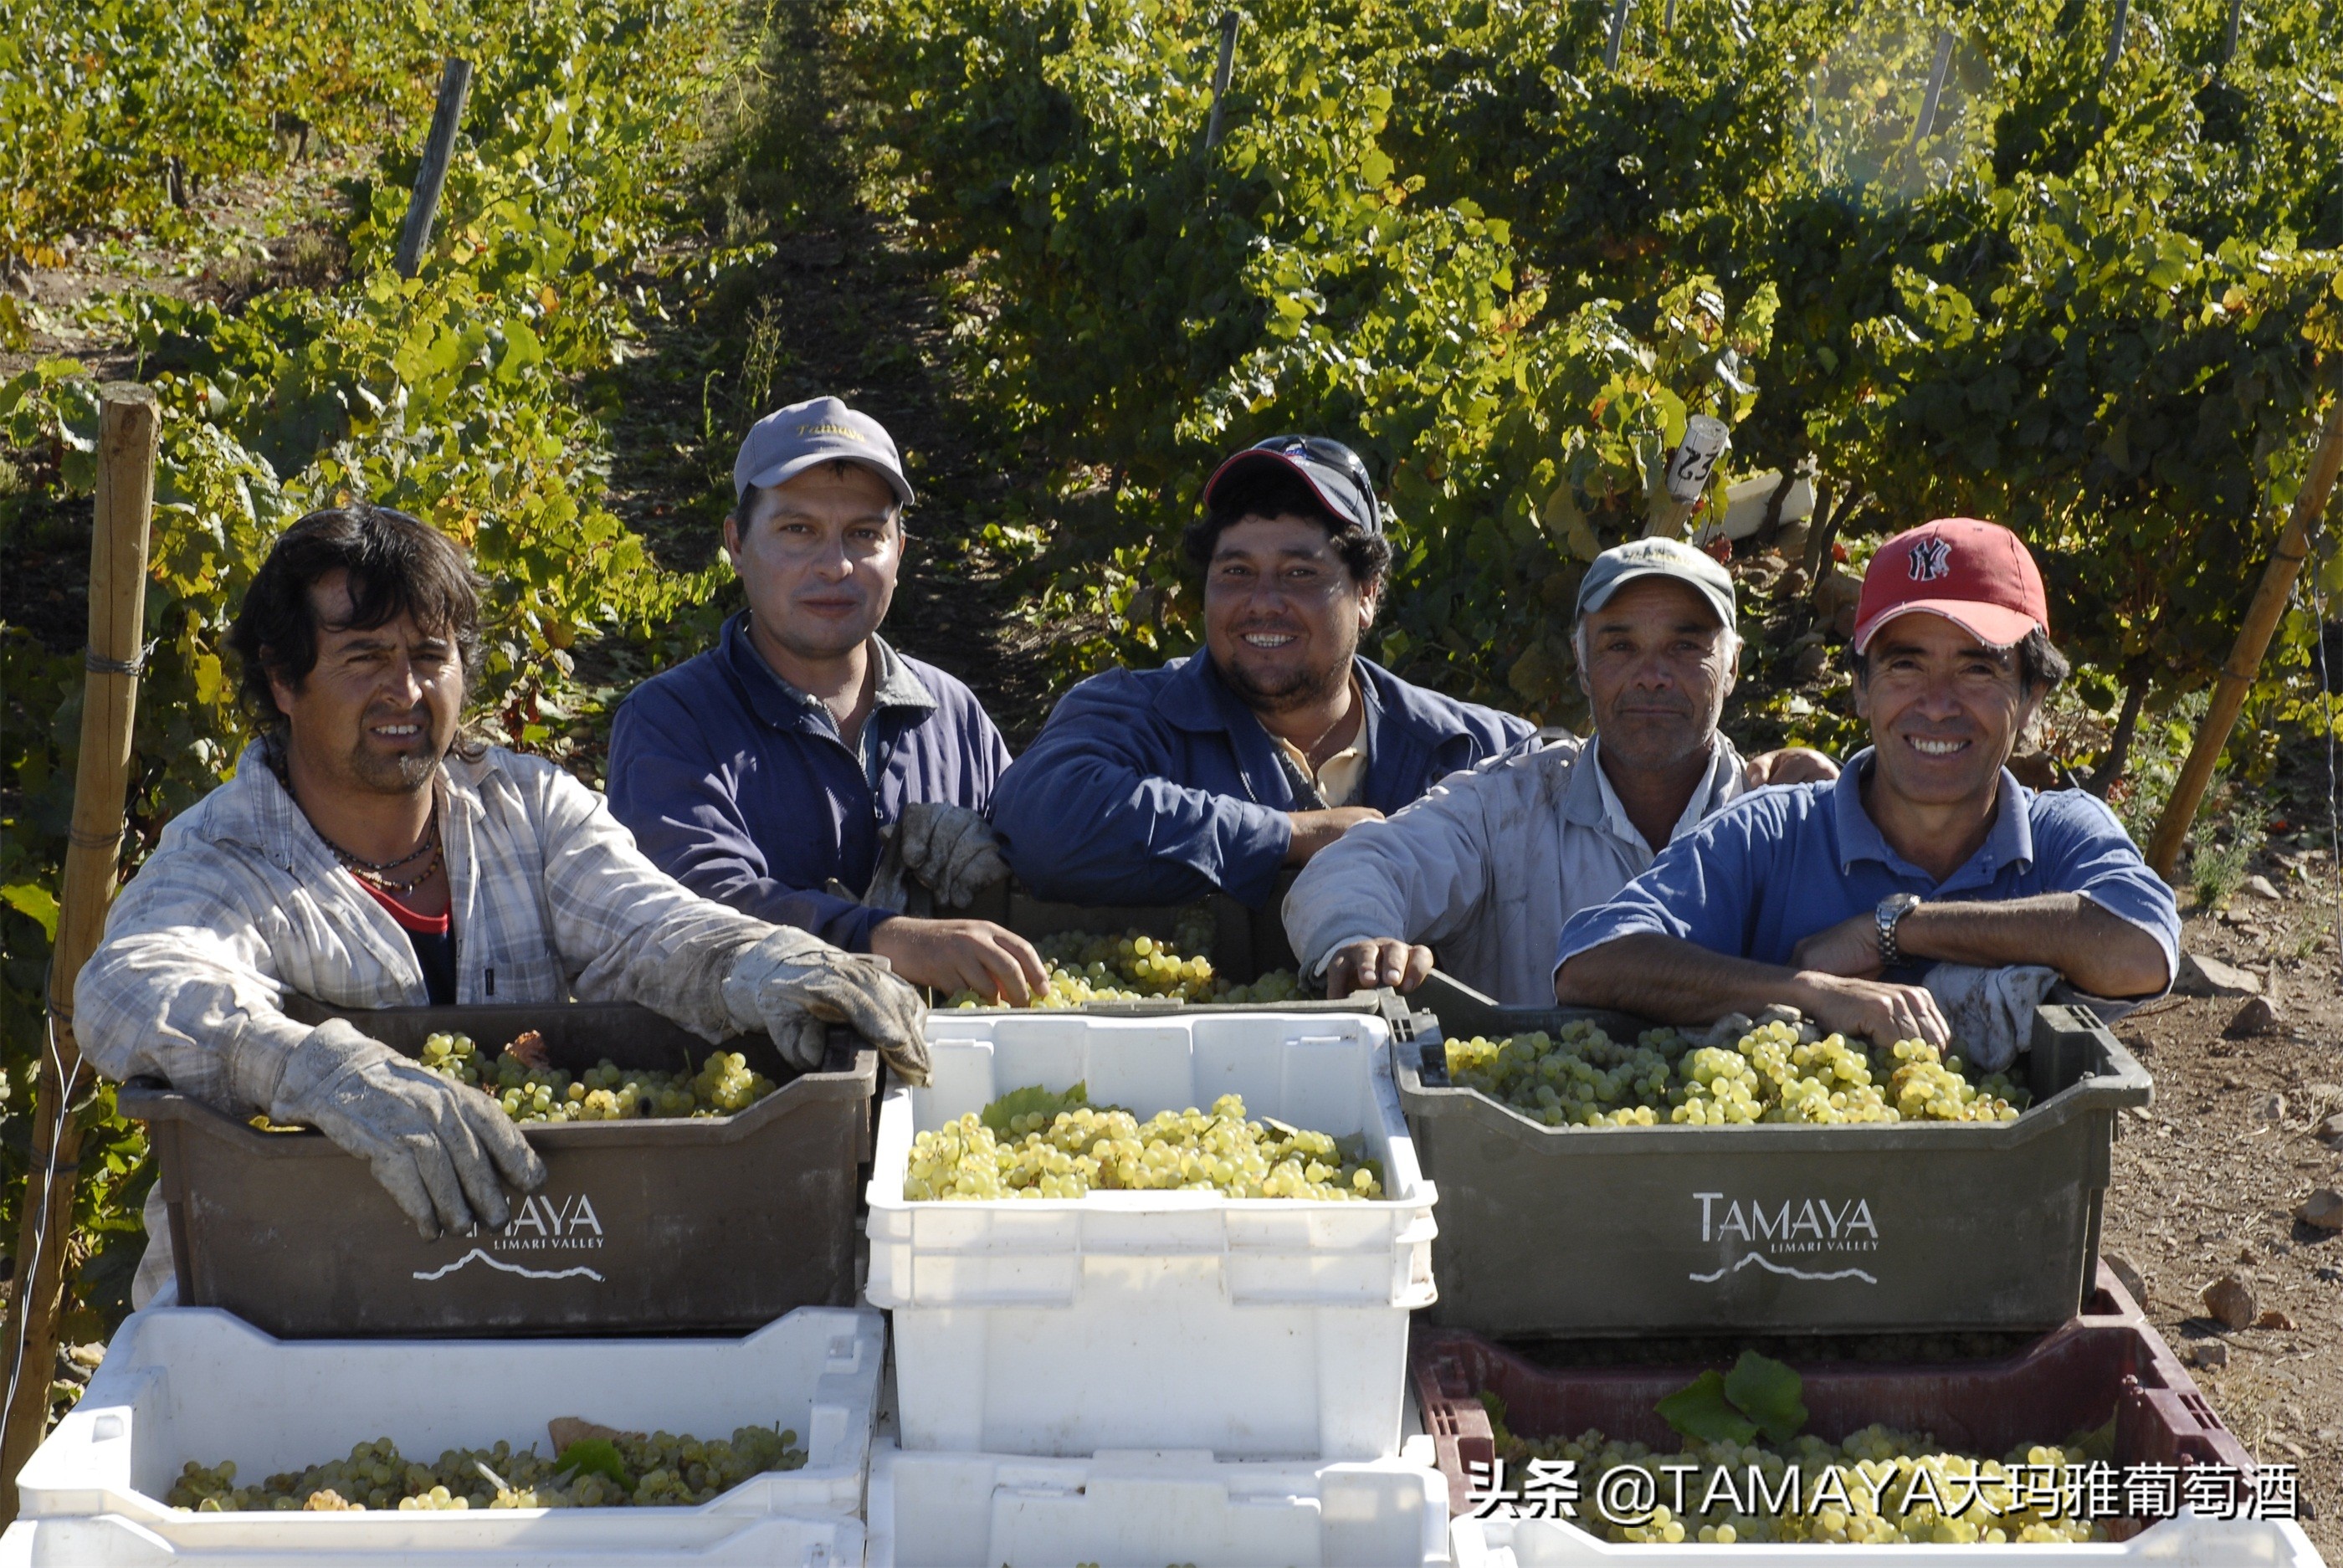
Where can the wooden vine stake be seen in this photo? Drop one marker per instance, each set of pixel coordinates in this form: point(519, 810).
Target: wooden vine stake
point(1221, 78)
point(415, 234)
point(128, 426)
point(1618, 33)
point(2246, 655)
point(1927, 124)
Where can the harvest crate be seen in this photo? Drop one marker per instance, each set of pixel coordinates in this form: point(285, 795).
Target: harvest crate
point(1254, 1328)
point(1674, 1230)
point(1143, 1509)
point(2108, 1362)
point(190, 1384)
point(711, 1226)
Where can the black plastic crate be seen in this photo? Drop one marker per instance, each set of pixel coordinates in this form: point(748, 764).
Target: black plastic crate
point(716, 1225)
point(1780, 1229)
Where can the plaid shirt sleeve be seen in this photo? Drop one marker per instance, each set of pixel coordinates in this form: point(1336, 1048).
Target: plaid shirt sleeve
point(186, 984)
point(627, 930)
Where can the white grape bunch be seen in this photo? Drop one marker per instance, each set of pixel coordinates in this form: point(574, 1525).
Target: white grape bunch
point(1864, 1489)
point(1069, 1152)
point(634, 1470)
point(531, 1091)
point(1089, 966)
point(1776, 1071)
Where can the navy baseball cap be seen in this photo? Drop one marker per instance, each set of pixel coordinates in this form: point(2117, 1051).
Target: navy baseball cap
point(783, 445)
point(1331, 470)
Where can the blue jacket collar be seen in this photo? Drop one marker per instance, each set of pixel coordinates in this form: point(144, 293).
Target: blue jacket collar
point(778, 703)
point(2009, 843)
point(1197, 699)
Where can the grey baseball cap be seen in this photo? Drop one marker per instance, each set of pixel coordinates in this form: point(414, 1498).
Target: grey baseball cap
point(784, 444)
point(1617, 566)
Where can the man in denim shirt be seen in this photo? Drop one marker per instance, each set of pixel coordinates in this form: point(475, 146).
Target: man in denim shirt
point(1836, 898)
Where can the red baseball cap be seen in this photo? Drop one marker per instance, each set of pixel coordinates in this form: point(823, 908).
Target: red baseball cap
point(1976, 575)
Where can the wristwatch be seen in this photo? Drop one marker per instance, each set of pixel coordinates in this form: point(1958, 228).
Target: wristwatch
point(1892, 909)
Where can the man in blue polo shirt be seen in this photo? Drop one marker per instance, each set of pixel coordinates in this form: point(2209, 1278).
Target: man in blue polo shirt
point(1217, 770)
point(801, 768)
point(1838, 899)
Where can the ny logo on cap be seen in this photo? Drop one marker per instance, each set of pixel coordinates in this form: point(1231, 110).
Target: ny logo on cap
point(1931, 558)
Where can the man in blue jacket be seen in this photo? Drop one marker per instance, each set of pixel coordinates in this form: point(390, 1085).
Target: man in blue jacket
point(801, 768)
point(1217, 770)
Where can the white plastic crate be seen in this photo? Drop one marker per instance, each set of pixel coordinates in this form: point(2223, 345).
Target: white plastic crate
point(1252, 1328)
point(1136, 1510)
point(197, 1383)
point(2185, 1543)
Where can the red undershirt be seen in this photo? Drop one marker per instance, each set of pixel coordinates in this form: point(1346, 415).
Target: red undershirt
point(433, 937)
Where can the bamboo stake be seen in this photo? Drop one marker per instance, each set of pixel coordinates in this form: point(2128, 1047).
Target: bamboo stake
point(128, 426)
point(2246, 655)
point(415, 234)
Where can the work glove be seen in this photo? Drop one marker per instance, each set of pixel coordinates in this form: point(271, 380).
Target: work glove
point(793, 986)
point(436, 1146)
point(949, 850)
point(1990, 1010)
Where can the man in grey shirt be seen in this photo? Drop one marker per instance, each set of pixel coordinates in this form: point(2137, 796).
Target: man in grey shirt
point(1490, 863)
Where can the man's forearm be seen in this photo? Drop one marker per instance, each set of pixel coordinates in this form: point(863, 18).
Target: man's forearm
point(1671, 980)
point(2098, 952)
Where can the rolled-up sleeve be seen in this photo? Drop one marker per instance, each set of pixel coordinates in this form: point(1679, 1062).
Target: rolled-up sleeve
point(1087, 814)
point(2080, 847)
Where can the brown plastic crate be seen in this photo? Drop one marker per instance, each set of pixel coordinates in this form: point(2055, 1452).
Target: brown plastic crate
point(717, 1225)
point(2108, 1362)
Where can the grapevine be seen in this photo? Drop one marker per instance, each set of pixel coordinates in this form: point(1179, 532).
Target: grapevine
point(629, 1470)
point(1735, 1074)
point(1085, 1149)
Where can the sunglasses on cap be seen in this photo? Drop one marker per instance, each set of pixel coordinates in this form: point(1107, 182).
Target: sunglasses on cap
point(1333, 471)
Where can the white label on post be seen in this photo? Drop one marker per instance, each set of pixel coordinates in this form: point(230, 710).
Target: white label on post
point(1690, 465)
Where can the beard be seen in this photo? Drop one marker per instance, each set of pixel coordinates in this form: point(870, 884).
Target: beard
point(1287, 691)
point(403, 774)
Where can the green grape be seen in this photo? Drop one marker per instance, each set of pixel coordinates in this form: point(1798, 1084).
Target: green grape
point(1086, 967)
point(604, 1092)
point(1777, 1072)
point(668, 1471)
point(1873, 1469)
point(1105, 1148)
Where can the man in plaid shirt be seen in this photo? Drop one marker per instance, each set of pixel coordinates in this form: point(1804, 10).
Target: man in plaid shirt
point(365, 856)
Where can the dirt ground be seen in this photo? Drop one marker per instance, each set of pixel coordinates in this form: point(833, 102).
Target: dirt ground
point(2207, 1178)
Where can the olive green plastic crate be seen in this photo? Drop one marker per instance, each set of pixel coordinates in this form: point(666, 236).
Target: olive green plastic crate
point(1912, 1226)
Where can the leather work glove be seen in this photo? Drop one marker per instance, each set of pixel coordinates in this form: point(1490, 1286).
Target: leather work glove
point(949, 850)
point(437, 1146)
point(1991, 1010)
point(792, 986)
